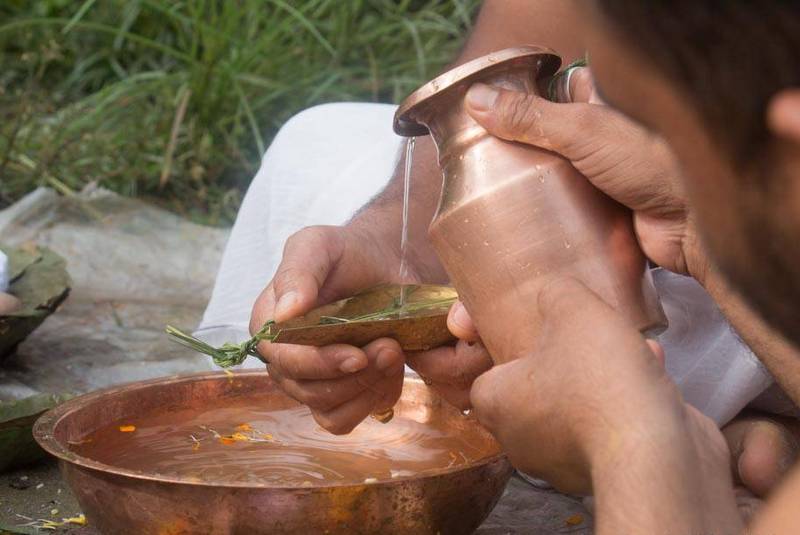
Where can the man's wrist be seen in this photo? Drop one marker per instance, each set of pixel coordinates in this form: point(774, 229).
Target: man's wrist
point(377, 239)
point(642, 431)
point(675, 472)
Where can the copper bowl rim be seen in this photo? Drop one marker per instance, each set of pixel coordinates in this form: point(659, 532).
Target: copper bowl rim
point(43, 433)
point(405, 125)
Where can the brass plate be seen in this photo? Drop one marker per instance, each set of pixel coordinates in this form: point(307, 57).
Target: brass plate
point(423, 327)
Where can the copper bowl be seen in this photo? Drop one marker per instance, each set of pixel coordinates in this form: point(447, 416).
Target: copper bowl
point(120, 501)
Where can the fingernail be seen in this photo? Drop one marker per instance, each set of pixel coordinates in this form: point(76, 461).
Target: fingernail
point(285, 305)
point(352, 365)
point(481, 97)
point(387, 360)
point(461, 316)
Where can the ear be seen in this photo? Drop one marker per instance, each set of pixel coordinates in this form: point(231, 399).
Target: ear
point(783, 115)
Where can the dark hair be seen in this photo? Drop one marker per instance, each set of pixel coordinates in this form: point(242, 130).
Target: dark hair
point(729, 57)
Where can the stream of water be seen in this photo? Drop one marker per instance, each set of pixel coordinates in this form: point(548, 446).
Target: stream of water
point(403, 275)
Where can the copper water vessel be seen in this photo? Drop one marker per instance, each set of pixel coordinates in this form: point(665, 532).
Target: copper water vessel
point(512, 217)
point(120, 501)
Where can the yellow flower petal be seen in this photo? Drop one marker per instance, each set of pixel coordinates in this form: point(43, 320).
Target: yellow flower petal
point(574, 520)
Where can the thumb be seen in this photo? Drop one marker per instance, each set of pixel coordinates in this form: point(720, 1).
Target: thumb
point(619, 158)
point(308, 258)
point(460, 323)
point(527, 118)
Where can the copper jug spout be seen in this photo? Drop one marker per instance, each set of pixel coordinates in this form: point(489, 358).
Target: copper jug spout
point(512, 218)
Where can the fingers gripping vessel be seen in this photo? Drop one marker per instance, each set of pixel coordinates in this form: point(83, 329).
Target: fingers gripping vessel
point(512, 218)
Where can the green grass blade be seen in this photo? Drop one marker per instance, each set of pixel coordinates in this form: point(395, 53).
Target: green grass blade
point(307, 24)
point(86, 6)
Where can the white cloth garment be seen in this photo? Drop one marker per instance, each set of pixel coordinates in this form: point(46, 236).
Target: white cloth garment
point(329, 160)
point(4, 274)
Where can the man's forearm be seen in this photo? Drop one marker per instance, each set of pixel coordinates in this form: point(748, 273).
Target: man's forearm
point(506, 23)
point(674, 482)
point(500, 24)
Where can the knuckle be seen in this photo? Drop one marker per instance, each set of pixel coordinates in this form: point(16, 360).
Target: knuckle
point(484, 399)
point(261, 310)
point(277, 359)
point(264, 349)
point(255, 320)
point(320, 233)
point(588, 118)
point(287, 277)
point(296, 239)
point(292, 367)
point(518, 112)
point(308, 238)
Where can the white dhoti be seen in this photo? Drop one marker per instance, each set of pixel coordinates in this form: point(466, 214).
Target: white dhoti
point(329, 160)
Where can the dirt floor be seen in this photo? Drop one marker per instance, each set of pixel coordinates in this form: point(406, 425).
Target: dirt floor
point(37, 493)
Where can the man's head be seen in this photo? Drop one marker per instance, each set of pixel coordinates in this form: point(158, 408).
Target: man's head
point(720, 80)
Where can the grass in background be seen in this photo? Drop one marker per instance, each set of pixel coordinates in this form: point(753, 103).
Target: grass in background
point(176, 100)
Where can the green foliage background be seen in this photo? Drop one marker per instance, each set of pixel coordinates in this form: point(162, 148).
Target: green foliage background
point(175, 100)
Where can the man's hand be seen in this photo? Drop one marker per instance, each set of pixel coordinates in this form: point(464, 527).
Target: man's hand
point(592, 409)
point(593, 387)
point(619, 157)
point(344, 384)
point(637, 169)
point(341, 384)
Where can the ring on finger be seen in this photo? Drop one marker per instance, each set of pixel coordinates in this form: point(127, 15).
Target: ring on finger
point(560, 89)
